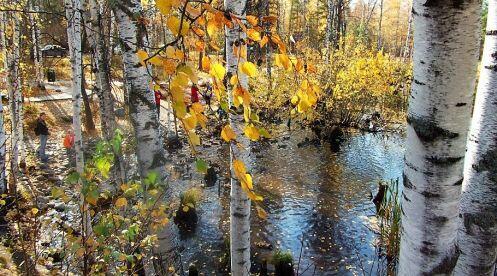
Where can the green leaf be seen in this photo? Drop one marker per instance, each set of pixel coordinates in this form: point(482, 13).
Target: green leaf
point(225, 106)
point(151, 178)
point(103, 166)
point(264, 133)
point(73, 178)
point(201, 165)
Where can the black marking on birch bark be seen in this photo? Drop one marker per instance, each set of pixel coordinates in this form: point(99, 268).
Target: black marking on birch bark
point(491, 67)
point(414, 12)
point(405, 197)
point(428, 131)
point(447, 264)
point(238, 215)
point(158, 161)
point(461, 104)
point(430, 194)
point(443, 4)
point(411, 166)
point(419, 82)
point(427, 250)
point(440, 220)
point(491, 32)
point(242, 249)
point(407, 182)
point(444, 161)
point(483, 220)
point(487, 162)
point(458, 182)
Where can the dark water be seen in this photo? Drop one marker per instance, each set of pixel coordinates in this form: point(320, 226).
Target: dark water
point(318, 202)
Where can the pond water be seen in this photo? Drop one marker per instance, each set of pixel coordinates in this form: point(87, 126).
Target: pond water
point(317, 199)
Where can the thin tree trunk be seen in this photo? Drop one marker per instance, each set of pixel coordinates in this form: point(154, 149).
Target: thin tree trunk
point(329, 28)
point(89, 124)
point(476, 236)
point(3, 136)
point(35, 36)
point(407, 46)
point(239, 202)
point(15, 88)
point(379, 42)
point(446, 46)
point(74, 35)
point(142, 109)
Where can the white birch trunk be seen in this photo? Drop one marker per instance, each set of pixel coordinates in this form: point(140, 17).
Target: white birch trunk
point(239, 202)
point(17, 85)
point(407, 46)
point(477, 233)
point(14, 89)
point(446, 46)
point(3, 140)
point(149, 149)
point(150, 152)
point(3, 136)
point(103, 87)
point(35, 36)
point(73, 8)
point(74, 35)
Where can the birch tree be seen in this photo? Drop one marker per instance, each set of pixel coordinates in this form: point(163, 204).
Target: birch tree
point(239, 201)
point(446, 46)
point(101, 57)
point(73, 14)
point(476, 236)
point(13, 85)
point(149, 150)
point(35, 37)
point(3, 136)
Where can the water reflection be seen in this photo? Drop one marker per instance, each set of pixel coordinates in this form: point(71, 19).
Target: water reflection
point(318, 202)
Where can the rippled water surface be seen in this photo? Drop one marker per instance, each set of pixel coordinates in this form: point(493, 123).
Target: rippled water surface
point(318, 201)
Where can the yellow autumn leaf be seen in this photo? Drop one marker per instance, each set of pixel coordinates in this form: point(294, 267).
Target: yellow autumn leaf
point(254, 35)
point(34, 211)
point(234, 80)
point(252, 20)
point(282, 60)
point(142, 56)
point(239, 169)
point(249, 69)
point(227, 133)
point(211, 28)
point(169, 67)
point(295, 100)
point(206, 63)
point(189, 72)
point(252, 132)
point(194, 138)
point(170, 52)
point(248, 181)
point(303, 105)
point(264, 41)
point(164, 6)
point(197, 107)
point(217, 71)
point(261, 213)
point(253, 196)
point(121, 202)
point(174, 23)
point(190, 121)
